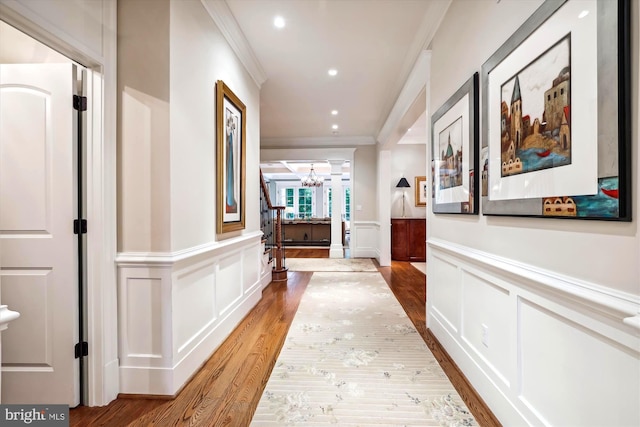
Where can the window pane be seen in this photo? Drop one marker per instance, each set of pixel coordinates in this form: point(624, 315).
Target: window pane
point(305, 202)
point(347, 205)
point(289, 198)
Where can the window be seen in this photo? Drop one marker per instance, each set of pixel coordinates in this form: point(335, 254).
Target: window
point(346, 202)
point(289, 213)
point(305, 203)
point(298, 202)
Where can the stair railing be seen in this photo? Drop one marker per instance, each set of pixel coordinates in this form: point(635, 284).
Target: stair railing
point(271, 225)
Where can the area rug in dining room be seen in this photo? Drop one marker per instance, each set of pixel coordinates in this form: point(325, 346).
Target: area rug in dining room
point(330, 264)
point(352, 357)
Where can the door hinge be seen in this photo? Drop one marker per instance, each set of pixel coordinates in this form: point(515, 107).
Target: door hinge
point(82, 349)
point(79, 103)
point(80, 226)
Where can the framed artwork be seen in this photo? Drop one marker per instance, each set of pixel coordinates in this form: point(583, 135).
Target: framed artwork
point(556, 115)
point(230, 153)
point(421, 191)
point(454, 152)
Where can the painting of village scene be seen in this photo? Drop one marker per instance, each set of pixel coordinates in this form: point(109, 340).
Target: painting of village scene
point(603, 204)
point(450, 145)
point(536, 113)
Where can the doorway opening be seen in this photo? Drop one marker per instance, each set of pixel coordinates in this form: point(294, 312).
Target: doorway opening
point(42, 225)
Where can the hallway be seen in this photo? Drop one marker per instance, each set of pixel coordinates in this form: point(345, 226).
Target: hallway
point(228, 388)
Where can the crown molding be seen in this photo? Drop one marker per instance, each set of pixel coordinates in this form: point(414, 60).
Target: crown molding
point(413, 86)
point(317, 142)
point(413, 73)
point(223, 17)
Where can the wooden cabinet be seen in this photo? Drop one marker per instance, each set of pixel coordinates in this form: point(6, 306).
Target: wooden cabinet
point(408, 239)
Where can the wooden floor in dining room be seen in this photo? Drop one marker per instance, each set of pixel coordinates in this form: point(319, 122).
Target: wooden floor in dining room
point(227, 389)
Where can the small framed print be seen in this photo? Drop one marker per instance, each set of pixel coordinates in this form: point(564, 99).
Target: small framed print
point(421, 191)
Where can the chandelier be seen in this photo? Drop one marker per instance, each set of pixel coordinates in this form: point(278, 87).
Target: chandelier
point(312, 180)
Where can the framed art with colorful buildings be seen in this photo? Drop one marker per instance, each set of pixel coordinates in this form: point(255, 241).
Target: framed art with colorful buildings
point(555, 119)
point(454, 152)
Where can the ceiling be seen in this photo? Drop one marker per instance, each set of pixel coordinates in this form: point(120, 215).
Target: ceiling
point(373, 45)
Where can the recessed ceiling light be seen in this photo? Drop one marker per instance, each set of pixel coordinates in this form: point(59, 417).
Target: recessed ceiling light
point(278, 22)
point(334, 112)
point(333, 72)
point(409, 130)
point(334, 127)
point(583, 14)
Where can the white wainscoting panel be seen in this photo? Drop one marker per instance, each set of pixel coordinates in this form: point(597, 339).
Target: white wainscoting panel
point(195, 302)
point(176, 309)
point(590, 369)
point(364, 239)
point(229, 286)
point(484, 330)
point(145, 334)
point(445, 300)
point(540, 348)
point(144, 309)
point(144, 328)
point(251, 268)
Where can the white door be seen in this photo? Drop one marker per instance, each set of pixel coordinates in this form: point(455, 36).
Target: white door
point(38, 248)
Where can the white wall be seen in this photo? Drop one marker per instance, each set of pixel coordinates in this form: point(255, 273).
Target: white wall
point(144, 129)
point(364, 205)
point(407, 161)
point(199, 56)
point(364, 184)
point(555, 300)
point(182, 287)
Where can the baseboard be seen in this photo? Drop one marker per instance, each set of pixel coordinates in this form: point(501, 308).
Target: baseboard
point(147, 380)
point(111, 380)
point(146, 396)
point(364, 253)
point(462, 385)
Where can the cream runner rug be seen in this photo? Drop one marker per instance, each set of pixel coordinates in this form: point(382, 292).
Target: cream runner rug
point(330, 264)
point(352, 357)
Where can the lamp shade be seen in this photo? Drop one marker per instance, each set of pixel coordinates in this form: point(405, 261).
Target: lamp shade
point(403, 183)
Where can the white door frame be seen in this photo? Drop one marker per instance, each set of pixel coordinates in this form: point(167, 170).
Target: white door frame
point(103, 373)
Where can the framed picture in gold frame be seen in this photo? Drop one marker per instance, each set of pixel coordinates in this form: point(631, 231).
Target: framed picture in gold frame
point(421, 191)
point(231, 159)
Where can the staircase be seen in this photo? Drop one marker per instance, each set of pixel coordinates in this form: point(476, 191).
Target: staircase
point(271, 226)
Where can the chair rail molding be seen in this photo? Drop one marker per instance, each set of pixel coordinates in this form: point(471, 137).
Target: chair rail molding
point(515, 328)
point(620, 305)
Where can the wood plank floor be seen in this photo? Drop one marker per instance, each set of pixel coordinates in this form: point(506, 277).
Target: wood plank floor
point(227, 389)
